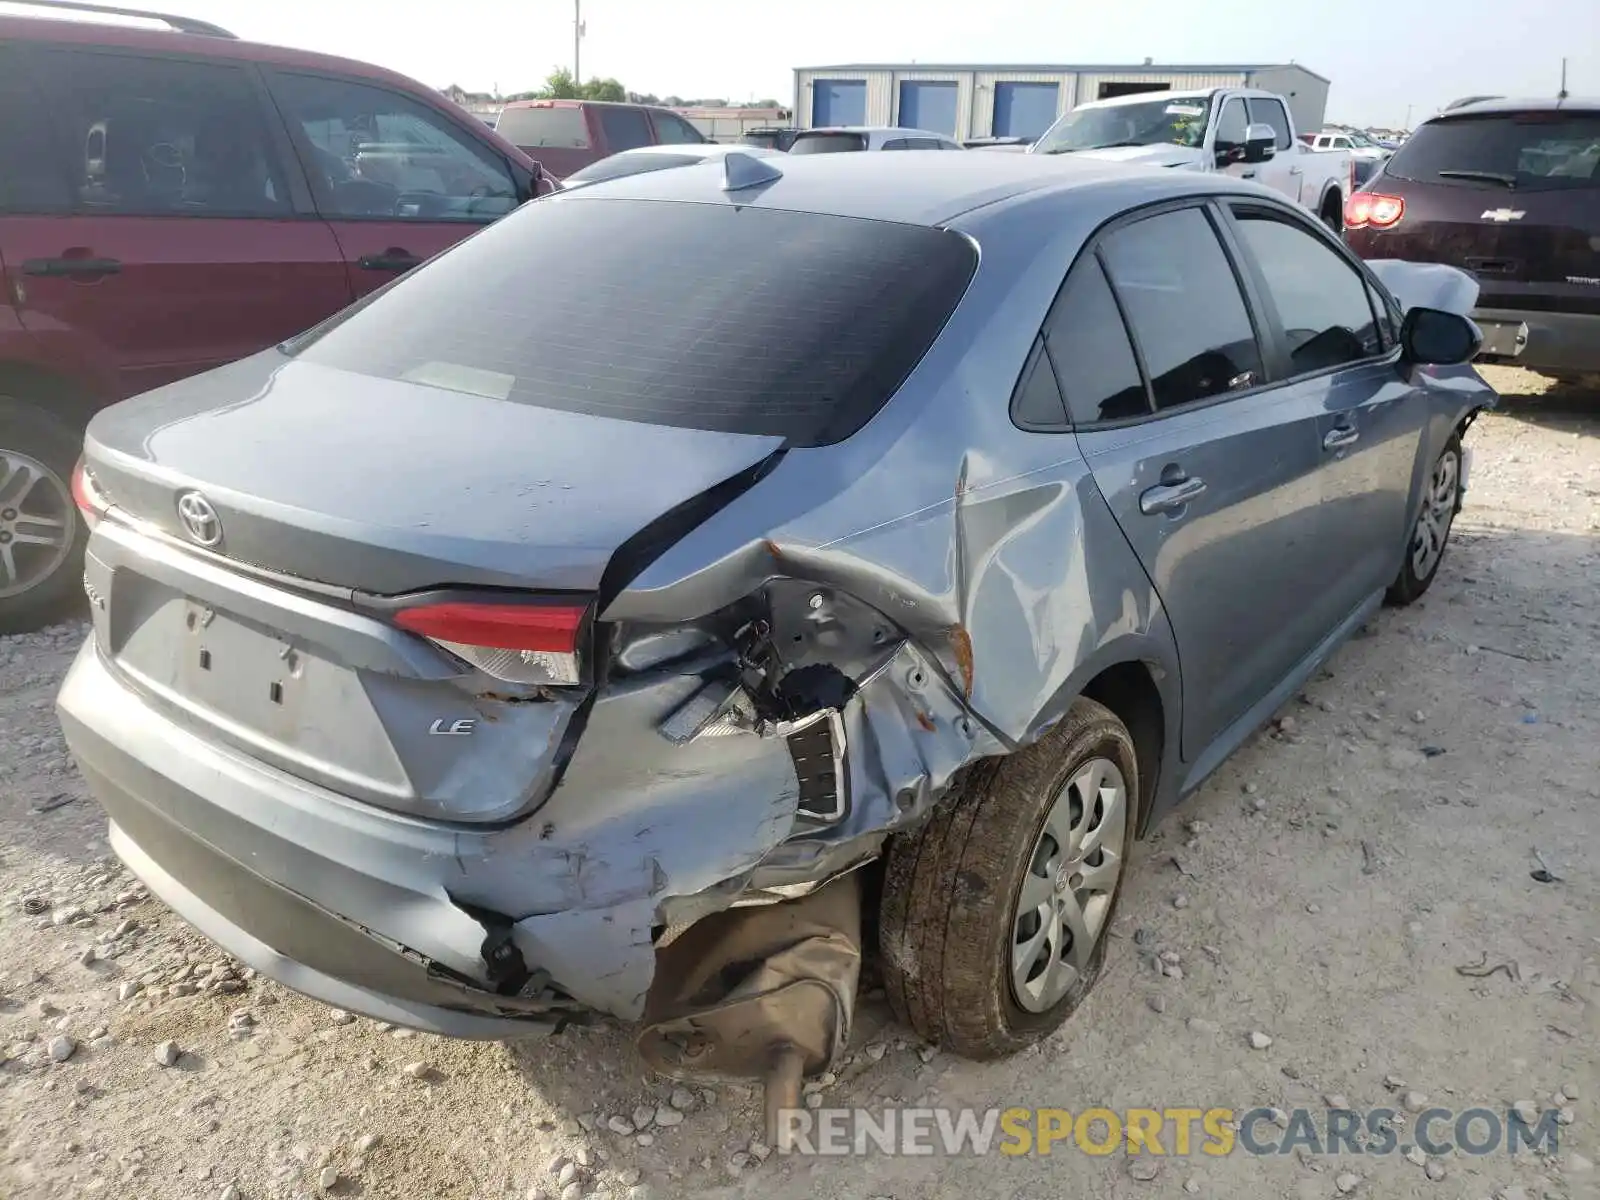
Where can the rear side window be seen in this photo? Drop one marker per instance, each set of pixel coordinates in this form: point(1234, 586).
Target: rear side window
point(1532, 152)
point(625, 128)
point(1271, 112)
point(33, 165)
point(741, 320)
point(1089, 346)
point(828, 143)
point(1321, 300)
point(561, 126)
point(157, 137)
point(1184, 304)
point(672, 130)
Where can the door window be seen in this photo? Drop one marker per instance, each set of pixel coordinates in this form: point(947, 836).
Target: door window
point(1036, 404)
point(153, 137)
point(376, 153)
point(1184, 303)
point(33, 165)
point(897, 144)
point(1089, 345)
point(1271, 112)
point(675, 131)
point(1231, 125)
point(1321, 299)
point(625, 128)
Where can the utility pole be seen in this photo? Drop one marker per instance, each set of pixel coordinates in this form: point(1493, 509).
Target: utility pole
point(1409, 107)
point(1563, 94)
point(577, 41)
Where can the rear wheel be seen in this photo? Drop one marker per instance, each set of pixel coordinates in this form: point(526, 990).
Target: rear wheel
point(995, 913)
point(41, 534)
point(1441, 499)
point(1333, 213)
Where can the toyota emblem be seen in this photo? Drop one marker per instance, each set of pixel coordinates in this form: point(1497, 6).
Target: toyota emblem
point(200, 520)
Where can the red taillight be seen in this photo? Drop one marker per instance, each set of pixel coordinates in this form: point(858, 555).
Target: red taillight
point(518, 643)
point(90, 500)
point(1374, 209)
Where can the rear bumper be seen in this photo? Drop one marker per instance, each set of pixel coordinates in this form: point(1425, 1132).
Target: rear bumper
point(1552, 341)
point(388, 915)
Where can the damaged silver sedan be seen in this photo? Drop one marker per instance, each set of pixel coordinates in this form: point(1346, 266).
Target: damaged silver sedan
point(695, 578)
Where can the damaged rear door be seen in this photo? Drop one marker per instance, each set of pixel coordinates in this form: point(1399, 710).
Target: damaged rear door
point(1211, 474)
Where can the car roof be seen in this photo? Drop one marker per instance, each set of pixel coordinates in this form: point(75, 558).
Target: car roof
point(577, 102)
point(919, 187)
point(1502, 104)
point(696, 149)
point(65, 31)
point(898, 130)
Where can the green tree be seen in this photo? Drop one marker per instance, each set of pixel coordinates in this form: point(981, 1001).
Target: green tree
point(603, 89)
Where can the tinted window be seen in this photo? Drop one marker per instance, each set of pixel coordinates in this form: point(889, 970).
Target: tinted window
point(675, 131)
point(745, 320)
point(828, 143)
point(1037, 401)
point(145, 136)
point(376, 153)
point(897, 144)
point(1185, 307)
point(1541, 151)
point(624, 128)
point(1271, 112)
point(33, 162)
point(619, 165)
point(1320, 298)
point(925, 143)
point(562, 126)
point(1089, 346)
point(1231, 125)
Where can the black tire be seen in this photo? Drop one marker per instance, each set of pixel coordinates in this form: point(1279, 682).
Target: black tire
point(1333, 214)
point(950, 892)
point(1410, 583)
point(54, 445)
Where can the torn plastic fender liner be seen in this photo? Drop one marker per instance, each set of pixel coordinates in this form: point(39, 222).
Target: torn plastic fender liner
point(759, 993)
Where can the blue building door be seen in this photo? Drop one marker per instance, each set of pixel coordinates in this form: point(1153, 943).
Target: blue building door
point(838, 102)
point(928, 105)
point(1024, 109)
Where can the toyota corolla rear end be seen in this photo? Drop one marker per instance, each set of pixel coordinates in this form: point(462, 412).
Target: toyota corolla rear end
point(1509, 192)
point(353, 699)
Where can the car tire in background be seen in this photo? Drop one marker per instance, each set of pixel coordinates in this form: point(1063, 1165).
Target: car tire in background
point(980, 903)
point(1430, 535)
point(41, 534)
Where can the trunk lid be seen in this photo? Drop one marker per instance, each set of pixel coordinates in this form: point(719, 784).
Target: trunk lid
point(407, 487)
point(388, 486)
point(1511, 197)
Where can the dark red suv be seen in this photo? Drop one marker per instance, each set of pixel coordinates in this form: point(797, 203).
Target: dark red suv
point(567, 135)
point(1508, 190)
point(173, 198)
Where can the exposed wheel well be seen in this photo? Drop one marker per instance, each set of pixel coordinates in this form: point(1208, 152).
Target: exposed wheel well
point(1333, 209)
point(1129, 690)
point(66, 399)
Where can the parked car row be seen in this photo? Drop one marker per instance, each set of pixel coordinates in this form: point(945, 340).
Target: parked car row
point(1508, 190)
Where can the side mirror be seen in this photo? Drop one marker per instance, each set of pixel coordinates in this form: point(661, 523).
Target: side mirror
point(1439, 339)
point(1260, 143)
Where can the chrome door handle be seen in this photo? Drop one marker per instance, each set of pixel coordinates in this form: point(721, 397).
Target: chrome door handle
point(1341, 436)
point(1296, 170)
point(1167, 496)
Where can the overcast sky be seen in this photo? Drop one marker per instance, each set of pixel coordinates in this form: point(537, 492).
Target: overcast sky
point(1382, 57)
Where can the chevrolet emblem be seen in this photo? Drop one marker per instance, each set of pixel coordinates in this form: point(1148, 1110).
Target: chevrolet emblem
point(1503, 214)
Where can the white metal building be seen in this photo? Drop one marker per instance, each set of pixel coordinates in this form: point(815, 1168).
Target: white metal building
point(1010, 100)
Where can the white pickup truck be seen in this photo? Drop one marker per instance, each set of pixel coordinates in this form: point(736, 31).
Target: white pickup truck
point(1239, 131)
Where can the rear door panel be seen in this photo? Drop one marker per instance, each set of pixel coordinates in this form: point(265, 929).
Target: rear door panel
point(177, 245)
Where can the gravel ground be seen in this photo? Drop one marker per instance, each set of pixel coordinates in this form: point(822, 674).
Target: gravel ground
point(1322, 890)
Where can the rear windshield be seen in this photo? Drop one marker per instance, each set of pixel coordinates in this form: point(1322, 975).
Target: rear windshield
point(828, 143)
point(772, 141)
point(1538, 151)
point(619, 165)
point(563, 126)
point(705, 316)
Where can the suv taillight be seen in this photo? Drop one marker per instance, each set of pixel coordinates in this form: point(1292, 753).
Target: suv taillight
point(1373, 209)
point(529, 643)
